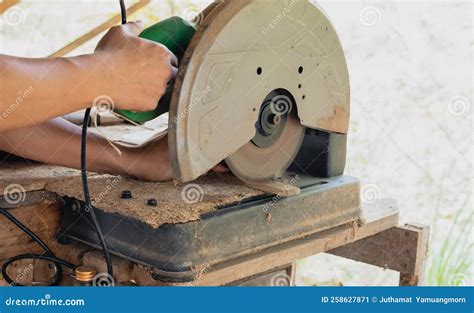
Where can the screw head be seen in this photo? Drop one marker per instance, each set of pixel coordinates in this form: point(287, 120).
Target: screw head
point(152, 202)
point(126, 194)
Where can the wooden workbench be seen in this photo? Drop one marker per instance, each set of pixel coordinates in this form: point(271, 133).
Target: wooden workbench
point(377, 240)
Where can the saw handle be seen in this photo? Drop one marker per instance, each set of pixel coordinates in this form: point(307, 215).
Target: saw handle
point(174, 33)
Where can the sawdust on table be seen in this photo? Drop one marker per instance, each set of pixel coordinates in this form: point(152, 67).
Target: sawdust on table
point(177, 203)
point(30, 176)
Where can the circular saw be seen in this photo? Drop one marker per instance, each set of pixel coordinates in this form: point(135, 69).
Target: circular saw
point(255, 76)
point(261, 84)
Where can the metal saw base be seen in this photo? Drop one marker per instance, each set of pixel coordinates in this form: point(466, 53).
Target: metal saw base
point(179, 252)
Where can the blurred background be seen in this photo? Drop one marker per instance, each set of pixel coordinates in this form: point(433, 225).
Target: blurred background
point(411, 134)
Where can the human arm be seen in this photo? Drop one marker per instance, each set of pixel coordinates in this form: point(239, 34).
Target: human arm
point(58, 142)
point(133, 72)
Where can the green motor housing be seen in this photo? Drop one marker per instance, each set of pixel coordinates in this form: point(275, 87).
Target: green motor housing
point(174, 33)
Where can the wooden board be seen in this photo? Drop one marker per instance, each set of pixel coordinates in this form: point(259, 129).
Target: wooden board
point(43, 219)
point(6, 4)
point(32, 175)
point(176, 203)
point(403, 249)
point(98, 29)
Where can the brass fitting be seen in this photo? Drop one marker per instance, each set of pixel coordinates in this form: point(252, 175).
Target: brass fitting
point(85, 273)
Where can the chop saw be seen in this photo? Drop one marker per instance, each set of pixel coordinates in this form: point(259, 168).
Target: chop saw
point(263, 86)
point(260, 85)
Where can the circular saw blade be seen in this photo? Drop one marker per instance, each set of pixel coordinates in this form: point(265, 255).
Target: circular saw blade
point(252, 163)
point(236, 57)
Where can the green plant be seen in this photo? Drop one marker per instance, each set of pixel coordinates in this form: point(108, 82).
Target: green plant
point(452, 264)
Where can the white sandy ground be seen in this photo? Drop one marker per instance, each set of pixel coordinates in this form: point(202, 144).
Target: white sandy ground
point(411, 117)
point(411, 131)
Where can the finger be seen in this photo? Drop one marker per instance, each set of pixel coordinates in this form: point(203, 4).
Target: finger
point(139, 24)
point(220, 169)
point(133, 28)
point(174, 71)
point(173, 59)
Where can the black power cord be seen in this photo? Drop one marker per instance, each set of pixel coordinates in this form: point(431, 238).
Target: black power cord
point(85, 185)
point(49, 255)
point(123, 12)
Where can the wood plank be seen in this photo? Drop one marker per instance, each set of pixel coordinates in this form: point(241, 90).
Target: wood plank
point(28, 198)
point(23, 240)
point(6, 4)
point(31, 176)
point(43, 219)
point(34, 215)
point(20, 271)
point(278, 277)
point(115, 20)
point(403, 249)
point(123, 270)
point(31, 247)
point(419, 255)
point(175, 202)
point(73, 253)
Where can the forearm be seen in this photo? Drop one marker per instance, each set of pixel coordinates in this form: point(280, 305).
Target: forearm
point(35, 90)
point(58, 142)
